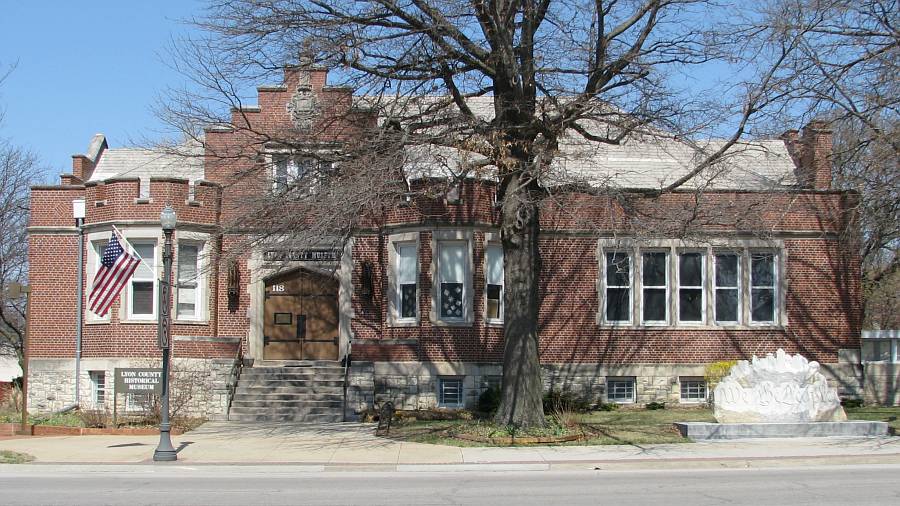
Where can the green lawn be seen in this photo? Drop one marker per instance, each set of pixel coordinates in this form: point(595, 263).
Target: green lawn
point(890, 414)
point(8, 457)
point(623, 426)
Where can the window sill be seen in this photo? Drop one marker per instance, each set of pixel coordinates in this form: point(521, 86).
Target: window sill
point(445, 323)
point(403, 323)
point(494, 323)
point(97, 322)
point(620, 402)
point(701, 326)
point(190, 322)
point(138, 321)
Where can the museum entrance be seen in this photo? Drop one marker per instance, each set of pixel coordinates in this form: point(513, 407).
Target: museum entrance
point(301, 317)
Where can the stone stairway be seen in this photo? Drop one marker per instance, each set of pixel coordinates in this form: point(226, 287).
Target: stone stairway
point(303, 391)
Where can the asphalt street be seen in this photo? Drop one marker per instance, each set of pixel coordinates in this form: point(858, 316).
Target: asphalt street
point(135, 485)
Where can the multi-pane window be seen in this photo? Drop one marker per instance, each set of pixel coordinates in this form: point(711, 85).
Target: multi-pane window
point(98, 247)
point(452, 260)
point(98, 387)
point(493, 274)
point(693, 389)
point(450, 392)
point(762, 287)
point(727, 288)
point(618, 287)
point(289, 171)
point(620, 390)
point(188, 295)
point(407, 272)
point(143, 282)
point(691, 300)
point(655, 280)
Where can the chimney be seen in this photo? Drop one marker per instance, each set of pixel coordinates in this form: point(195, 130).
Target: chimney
point(83, 165)
point(814, 148)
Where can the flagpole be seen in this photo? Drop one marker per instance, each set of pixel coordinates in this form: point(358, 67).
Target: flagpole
point(133, 251)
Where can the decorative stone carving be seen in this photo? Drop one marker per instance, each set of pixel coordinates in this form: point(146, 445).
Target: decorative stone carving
point(303, 105)
point(777, 388)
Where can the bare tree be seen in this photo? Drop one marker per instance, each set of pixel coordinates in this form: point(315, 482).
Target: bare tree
point(845, 71)
point(18, 171)
point(494, 89)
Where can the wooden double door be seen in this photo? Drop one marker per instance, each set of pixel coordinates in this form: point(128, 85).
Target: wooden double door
point(301, 317)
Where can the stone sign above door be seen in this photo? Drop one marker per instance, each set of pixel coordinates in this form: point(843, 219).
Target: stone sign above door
point(302, 255)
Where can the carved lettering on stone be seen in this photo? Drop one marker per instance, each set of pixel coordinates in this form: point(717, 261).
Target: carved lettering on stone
point(777, 388)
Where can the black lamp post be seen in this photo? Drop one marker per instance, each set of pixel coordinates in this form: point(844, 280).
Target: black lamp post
point(165, 452)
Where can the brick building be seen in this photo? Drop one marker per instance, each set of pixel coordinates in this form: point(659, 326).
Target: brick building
point(626, 315)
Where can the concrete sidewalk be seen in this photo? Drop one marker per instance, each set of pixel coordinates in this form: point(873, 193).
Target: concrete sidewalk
point(341, 446)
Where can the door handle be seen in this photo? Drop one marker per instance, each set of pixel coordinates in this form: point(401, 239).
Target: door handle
point(301, 327)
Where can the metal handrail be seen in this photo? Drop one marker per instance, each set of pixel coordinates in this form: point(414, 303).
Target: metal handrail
point(233, 376)
point(347, 363)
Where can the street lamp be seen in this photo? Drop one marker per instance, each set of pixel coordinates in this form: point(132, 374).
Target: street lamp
point(165, 452)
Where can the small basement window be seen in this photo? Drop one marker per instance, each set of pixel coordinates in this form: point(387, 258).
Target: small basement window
point(620, 390)
point(692, 389)
point(98, 387)
point(450, 392)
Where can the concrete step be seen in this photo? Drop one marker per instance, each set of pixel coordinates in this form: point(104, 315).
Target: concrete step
point(295, 383)
point(329, 417)
point(290, 410)
point(291, 390)
point(280, 404)
point(289, 364)
point(292, 396)
point(275, 376)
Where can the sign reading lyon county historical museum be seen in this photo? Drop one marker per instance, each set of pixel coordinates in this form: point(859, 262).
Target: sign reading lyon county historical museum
point(302, 255)
point(138, 380)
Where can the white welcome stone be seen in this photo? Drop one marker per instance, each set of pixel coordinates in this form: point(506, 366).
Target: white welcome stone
point(779, 388)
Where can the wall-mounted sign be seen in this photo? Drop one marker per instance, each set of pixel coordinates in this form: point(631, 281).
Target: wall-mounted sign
point(302, 255)
point(138, 380)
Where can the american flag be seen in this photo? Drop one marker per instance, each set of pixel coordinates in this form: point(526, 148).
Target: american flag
point(116, 268)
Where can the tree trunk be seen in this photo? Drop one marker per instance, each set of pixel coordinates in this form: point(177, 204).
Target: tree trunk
point(521, 401)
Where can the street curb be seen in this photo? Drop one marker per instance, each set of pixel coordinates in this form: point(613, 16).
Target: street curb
point(554, 465)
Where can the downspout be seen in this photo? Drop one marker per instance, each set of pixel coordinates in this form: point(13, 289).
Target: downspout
point(78, 212)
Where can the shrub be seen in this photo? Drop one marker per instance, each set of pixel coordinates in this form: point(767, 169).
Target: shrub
point(716, 371)
point(655, 405)
point(556, 401)
point(607, 406)
point(489, 401)
point(95, 418)
point(852, 403)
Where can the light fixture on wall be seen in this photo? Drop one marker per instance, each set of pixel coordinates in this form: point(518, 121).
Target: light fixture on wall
point(367, 280)
point(234, 281)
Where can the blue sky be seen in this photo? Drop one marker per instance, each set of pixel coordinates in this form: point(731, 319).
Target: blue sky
point(83, 68)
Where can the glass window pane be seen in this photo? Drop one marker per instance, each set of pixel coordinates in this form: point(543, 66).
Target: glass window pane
point(145, 268)
point(452, 262)
point(408, 300)
point(618, 304)
point(654, 273)
point(617, 269)
point(726, 270)
point(726, 305)
point(142, 297)
point(762, 270)
point(494, 268)
point(654, 304)
point(407, 260)
point(690, 269)
point(187, 264)
point(762, 305)
point(451, 300)
point(493, 293)
point(690, 304)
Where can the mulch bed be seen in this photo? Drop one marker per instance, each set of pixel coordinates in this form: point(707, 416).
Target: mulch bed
point(11, 429)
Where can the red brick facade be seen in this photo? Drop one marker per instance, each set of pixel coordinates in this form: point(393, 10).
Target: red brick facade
point(822, 301)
